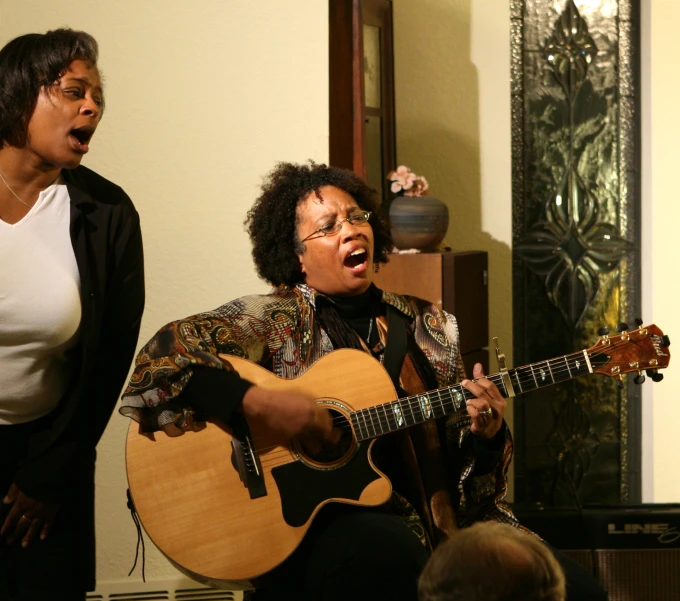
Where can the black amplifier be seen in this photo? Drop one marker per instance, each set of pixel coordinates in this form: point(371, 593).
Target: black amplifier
point(634, 550)
point(606, 527)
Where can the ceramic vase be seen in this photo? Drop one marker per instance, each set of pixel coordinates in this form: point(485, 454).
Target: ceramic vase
point(418, 222)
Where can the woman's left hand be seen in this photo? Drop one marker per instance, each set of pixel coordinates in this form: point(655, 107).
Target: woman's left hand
point(27, 518)
point(488, 406)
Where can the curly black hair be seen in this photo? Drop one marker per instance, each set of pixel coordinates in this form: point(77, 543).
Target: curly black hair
point(28, 65)
point(272, 221)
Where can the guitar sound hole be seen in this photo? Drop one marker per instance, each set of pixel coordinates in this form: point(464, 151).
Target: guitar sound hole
point(327, 451)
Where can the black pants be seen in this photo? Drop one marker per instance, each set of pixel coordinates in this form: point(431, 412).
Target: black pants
point(356, 554)
point(59, 568)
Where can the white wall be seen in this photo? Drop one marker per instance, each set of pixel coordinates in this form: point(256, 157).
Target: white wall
point(203, 98)
point(660, 220)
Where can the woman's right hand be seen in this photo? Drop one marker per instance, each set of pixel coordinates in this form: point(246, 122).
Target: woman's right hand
point(289, 413)
point(27, 519)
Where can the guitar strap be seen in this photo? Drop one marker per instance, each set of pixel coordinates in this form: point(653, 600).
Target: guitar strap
point(421, 448)
point(395, 348)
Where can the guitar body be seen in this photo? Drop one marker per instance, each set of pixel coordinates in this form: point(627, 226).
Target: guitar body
point(225, 515)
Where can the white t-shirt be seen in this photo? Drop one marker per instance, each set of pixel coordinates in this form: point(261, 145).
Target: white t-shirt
point(40, 308)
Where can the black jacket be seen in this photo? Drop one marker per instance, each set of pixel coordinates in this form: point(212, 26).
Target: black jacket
point(107, 242)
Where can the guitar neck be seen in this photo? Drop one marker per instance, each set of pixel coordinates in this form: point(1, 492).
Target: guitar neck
point(408, 411)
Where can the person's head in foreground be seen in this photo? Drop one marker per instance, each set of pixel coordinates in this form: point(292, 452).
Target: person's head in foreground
point(318, 225)
point(492, 562)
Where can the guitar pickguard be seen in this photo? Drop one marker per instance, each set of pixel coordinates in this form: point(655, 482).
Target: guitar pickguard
point(303, 488)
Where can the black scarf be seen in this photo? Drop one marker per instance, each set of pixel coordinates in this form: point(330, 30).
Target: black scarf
point(343, 317)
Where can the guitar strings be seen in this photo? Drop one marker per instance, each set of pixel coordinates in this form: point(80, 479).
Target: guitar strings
point(445, 398)
point(524, 376)
point(344, 422)
point(389, 422)
point(526, 379)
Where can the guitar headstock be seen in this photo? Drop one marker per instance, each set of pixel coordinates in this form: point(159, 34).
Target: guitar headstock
point(644, 349)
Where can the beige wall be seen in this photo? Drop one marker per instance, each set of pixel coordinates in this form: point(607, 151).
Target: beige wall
point(452, 80)
point(660, 219)
point(202, 99)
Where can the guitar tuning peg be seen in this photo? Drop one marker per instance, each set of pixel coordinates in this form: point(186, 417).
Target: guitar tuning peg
point(638, 322)
point(654, 374)
point(603, 331)
point(622, 327)
point(640, 378)
point(619, 382)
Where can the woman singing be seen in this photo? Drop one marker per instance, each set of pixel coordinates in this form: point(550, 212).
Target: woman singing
point(71, 301)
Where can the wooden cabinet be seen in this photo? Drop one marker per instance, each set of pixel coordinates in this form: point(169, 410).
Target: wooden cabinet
point(455, 282)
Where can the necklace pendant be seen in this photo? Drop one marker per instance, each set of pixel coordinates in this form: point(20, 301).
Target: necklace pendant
point(370, 330)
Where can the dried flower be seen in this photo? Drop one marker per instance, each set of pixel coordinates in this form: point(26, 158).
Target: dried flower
point(405, 182)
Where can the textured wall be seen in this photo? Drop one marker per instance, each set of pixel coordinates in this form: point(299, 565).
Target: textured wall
point(202, 99)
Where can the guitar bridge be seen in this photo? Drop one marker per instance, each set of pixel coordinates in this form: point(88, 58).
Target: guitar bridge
point(246, 461)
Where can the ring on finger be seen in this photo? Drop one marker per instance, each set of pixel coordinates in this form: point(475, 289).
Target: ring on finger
point(25, 517)
point(486, 411)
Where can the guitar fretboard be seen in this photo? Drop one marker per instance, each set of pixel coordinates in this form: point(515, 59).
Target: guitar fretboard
point(406, 412)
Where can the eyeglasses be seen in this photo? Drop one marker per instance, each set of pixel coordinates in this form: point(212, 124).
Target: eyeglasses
point(359, 218)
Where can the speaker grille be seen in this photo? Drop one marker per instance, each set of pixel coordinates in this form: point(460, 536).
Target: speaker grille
point(646, 574)
point(635, 575)
point(584, 557)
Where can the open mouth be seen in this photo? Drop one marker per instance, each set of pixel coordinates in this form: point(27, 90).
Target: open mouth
point(81, 137)
point(358, 257)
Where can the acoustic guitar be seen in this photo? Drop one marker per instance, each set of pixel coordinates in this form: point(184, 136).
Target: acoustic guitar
point(226, 506)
